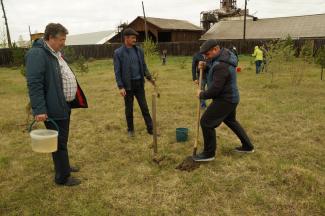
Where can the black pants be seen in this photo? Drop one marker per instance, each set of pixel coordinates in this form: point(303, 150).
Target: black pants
point(137, 90)
point(61, 156)
point(221, 111)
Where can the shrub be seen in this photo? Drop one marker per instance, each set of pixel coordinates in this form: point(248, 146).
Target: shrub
point(281, 55)
point(320, 59)
point(18, 56)
point(151, 55)
point(81, 64)
point(69, 54)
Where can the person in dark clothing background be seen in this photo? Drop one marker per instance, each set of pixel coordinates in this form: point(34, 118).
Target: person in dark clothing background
point(130, 70)
point(164, 57)
point(223, 90)
point(196, 74)
point(233, 49)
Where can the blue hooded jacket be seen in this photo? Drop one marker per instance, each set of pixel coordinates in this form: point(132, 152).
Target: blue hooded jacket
point(222, 78)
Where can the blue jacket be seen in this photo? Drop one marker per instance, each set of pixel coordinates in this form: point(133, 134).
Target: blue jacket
point(122, 67)
point(44, 83)
point(222, 78)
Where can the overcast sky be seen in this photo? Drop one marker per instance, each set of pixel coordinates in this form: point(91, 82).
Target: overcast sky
point(81, 16)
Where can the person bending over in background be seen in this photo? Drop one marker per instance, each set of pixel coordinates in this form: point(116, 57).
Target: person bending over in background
point(196, 74)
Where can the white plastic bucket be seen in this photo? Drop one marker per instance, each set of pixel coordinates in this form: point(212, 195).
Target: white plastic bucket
point(44, 140)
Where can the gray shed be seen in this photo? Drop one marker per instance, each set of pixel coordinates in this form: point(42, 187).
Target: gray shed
point(101, 37)
point(298, 27)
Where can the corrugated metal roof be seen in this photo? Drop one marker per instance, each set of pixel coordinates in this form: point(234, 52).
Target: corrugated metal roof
point(173, 24)
point(310, 26)
point(90, 38)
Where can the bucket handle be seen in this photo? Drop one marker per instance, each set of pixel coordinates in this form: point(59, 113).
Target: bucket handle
point(48, 120)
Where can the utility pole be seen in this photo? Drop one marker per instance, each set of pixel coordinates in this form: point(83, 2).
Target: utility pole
point(30, 36)
point(6, 23)
point(245, 19)
point(145, 22)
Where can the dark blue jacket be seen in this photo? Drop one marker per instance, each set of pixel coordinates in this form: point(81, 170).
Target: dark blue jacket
point(222, 78)
point(44, 83)
point(122, 67)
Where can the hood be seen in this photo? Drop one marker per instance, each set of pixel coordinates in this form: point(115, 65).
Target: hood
point(40, 43)
point(256, 47)
point(227, 56)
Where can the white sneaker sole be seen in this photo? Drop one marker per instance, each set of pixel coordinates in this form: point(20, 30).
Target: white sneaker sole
point(245, 152)
point(205, 160)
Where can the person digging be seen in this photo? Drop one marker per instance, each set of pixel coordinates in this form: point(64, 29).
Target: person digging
point(223, 90)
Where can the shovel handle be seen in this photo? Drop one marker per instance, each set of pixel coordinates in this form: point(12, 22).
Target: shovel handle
point(198, 116)
point(154, 121)
point(48, 120)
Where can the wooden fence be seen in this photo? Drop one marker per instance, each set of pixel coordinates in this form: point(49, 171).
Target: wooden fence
point(173, 49)
point(6, 57)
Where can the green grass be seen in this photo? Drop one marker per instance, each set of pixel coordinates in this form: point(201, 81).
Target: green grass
point(286, 175)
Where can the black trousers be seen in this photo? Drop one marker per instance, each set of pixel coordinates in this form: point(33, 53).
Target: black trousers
point(61, 156)
point(221, 111)
point(137, 91)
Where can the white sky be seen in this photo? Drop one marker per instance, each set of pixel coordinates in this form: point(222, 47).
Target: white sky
point(81, 16)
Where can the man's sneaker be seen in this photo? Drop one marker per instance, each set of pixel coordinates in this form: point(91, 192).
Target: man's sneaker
point(244, 150)
point(202, 157)
point(131, 133)
point(71, 182)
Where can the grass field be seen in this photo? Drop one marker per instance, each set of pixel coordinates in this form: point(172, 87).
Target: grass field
point(286, 175)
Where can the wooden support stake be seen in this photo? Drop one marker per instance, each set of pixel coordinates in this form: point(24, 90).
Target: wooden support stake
point(154, 121)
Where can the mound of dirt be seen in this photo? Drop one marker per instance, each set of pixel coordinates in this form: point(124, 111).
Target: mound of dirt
point(188, 165)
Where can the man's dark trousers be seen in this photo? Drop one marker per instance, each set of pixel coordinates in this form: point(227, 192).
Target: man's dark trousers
point(61, 156)
point(221, 111)
point(137, 90)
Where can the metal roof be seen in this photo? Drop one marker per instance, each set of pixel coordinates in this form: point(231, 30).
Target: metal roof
point(90, 38)
point(309, 26)
point(172, 24)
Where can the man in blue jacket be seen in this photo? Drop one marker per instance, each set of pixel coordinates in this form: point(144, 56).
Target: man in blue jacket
point(223, 90)
point(130, 70)
point(53, 92)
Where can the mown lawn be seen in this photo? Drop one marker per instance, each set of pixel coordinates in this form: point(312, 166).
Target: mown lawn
point(286, 175)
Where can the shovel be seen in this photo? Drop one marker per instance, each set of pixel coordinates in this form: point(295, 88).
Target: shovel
point(189, 164)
